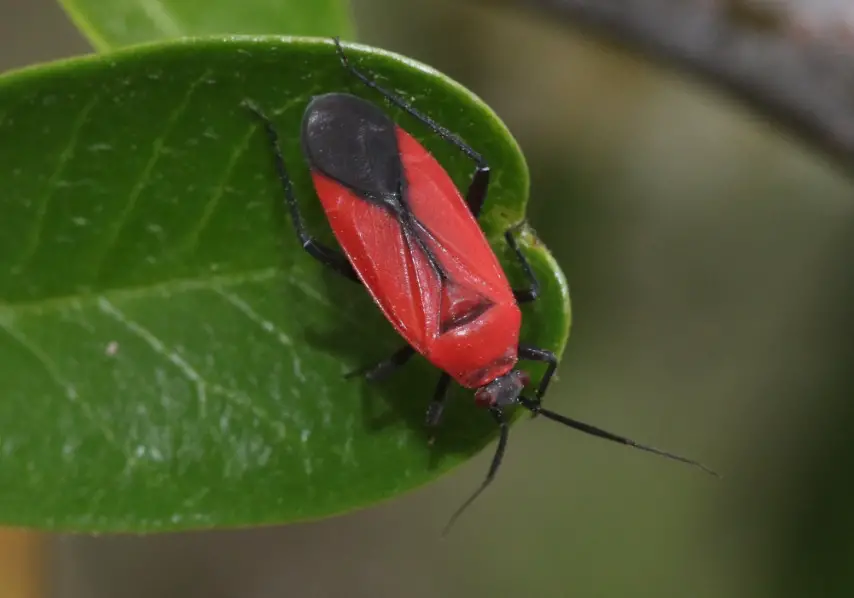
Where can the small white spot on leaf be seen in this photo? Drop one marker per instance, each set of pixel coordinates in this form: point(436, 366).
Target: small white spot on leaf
point(298, 373)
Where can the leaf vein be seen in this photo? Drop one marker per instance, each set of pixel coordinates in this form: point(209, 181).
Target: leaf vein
point(44, 200)
point(192, 238)
point(202, 386)
point(158, 145)
point(181, 285)
point(324, 300)
point(54, 374)
point(246, 309)
point(243, 307)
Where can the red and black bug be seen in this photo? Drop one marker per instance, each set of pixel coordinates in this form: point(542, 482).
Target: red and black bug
point(411, 238)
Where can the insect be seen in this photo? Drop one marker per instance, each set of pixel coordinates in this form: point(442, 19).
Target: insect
point(412, 240)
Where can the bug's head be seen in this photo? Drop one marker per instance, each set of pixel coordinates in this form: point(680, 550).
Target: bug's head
point(503, 391)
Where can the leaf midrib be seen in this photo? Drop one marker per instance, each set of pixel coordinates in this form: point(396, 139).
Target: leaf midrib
point(164, 289)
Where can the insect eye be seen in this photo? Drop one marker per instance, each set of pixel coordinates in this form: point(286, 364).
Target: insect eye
point(483, 397)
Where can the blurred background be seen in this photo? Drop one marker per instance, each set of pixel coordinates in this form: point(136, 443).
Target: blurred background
point(709, 258)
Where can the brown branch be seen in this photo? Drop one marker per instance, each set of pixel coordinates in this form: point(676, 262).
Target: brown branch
point(785, 59)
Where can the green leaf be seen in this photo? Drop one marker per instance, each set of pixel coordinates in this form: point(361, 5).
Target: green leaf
point(110, 24)
point(171, 358)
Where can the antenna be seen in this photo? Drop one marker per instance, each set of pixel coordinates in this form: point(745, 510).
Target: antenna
point(536, 409)
point(503, 430)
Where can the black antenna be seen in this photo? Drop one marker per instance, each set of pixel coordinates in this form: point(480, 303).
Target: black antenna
point(493, 468)
point(535, 408)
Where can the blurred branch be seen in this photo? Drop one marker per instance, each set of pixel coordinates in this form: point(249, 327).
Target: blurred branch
point(790, 60)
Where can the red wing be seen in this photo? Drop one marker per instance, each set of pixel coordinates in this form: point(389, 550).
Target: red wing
point(391, 259)
point(457, 237)
point(402, 282)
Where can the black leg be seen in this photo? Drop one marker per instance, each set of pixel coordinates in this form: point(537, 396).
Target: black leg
point(503, 430)
point(437, 405)
point(325, 255)
point(535, 354)
point(476, 194)
point(381, 370)
point(533, 290)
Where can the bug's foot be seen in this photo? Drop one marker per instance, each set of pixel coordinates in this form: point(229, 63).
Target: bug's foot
point(254, 108)
point(434, 414)
point(516, 228)
point(341, 56)
point(432, 420)
point(370, 373)
point(376, 372)
point(380, 371)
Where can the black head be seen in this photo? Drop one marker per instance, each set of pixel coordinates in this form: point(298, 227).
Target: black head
point(502, 392)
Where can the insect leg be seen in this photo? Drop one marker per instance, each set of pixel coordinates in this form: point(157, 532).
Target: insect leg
point(533, 290)
point(379, 371)
point(476, 194)
point(437, 405)
point(535, 354)
point(325, 255)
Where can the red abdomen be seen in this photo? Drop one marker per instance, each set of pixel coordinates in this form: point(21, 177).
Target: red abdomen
point(480, 351)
